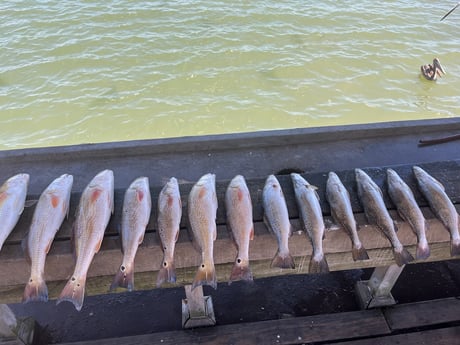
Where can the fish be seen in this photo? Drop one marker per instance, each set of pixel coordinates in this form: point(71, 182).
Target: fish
point(137, 204)
point(238, 207)
point(12, 200)
point(441, 205)
point(276, 218)
point(202, 211)
point(50, 212)
point(376, 213)
point(92, 217)
point(342, 213)
point(408, 209)
point(311, 216)
point(169, 217)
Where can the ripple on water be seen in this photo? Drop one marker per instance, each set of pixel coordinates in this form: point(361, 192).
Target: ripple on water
point(167, 69)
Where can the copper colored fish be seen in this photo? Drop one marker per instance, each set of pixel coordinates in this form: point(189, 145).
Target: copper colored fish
point(377, 214)
point(12, 199)
point(93, 215)
point(137, 205)
point(169, 216)
point(202, 210)
point(312, 219)
point(408, 209)
point(441, 205)
point(239, 219)
point(276, 218)
point(51, 209)
point(339, 200)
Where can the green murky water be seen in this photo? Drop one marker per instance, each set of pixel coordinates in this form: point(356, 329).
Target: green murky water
point(92, 71)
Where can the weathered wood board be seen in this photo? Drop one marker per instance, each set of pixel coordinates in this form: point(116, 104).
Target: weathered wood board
point(14, 270)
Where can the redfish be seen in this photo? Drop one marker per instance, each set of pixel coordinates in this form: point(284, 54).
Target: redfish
point(408, 209)
point(276, 218)
point(441, 205)
point(339, 200)
point(202, 211)
point(312, 219)
point(137, 205)
point(239, 219)
point(169, 217)
point(51, 209)
point(92, 217)
point(376, 213)
point(12, 199)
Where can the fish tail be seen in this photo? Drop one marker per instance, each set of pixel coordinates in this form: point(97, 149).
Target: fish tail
point(36, 290)
point(73, 292)
point(422, 252)
point(403, 257)
point(167, 273)
point(318, 265)
point(359, 253)
point(283, 261)
point(206, 275)
point(455, 247)
point(124, 278)
point(240, 272)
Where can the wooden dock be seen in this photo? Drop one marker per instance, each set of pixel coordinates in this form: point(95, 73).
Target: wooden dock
point(428, 322)
point(315, 152)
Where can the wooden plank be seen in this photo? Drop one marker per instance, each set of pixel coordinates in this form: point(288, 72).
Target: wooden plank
point(442, 336)
point(297, 330)
point(426, 313)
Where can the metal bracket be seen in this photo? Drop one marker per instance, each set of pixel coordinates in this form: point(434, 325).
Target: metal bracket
point(376, 292)
point(197, 309)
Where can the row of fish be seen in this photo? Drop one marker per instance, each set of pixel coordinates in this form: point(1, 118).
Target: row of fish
point(371, 197)
point(96, 206)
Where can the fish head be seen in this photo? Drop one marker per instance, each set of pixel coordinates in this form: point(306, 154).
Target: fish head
point(299, 181)
point(332, 178)
point(392, 175)
point(18, 180)
point(237, 181)
point(141, 183)
point(418, 172)
point(206, 179)
point(171, 187)
point(272, 180)
point(105, 176)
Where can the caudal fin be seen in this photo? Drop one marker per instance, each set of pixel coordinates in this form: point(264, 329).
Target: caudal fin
point(455, 248)
point(359, 253)
point(283, 261)
point(318, 265)
point(422, 252)
point(36, 290)
point(73, 292)
point(206, 275)
point(167, 273)
point(403, 257)
point(124, 278)
point(240, 271)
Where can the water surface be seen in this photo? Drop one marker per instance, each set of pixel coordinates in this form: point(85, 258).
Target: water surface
point(93, 71)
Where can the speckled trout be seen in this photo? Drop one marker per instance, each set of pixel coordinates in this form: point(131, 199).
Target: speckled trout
point(342, 213)
point(312, 220)
point(239, 219)
point(51, 209)
point(276, 218)
point(169, 216)
point(93, 215)
point(202, 210)
point(441, 205)
point(377, 214)
point(408, 209)
point(137, 205)
point(12, 199)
